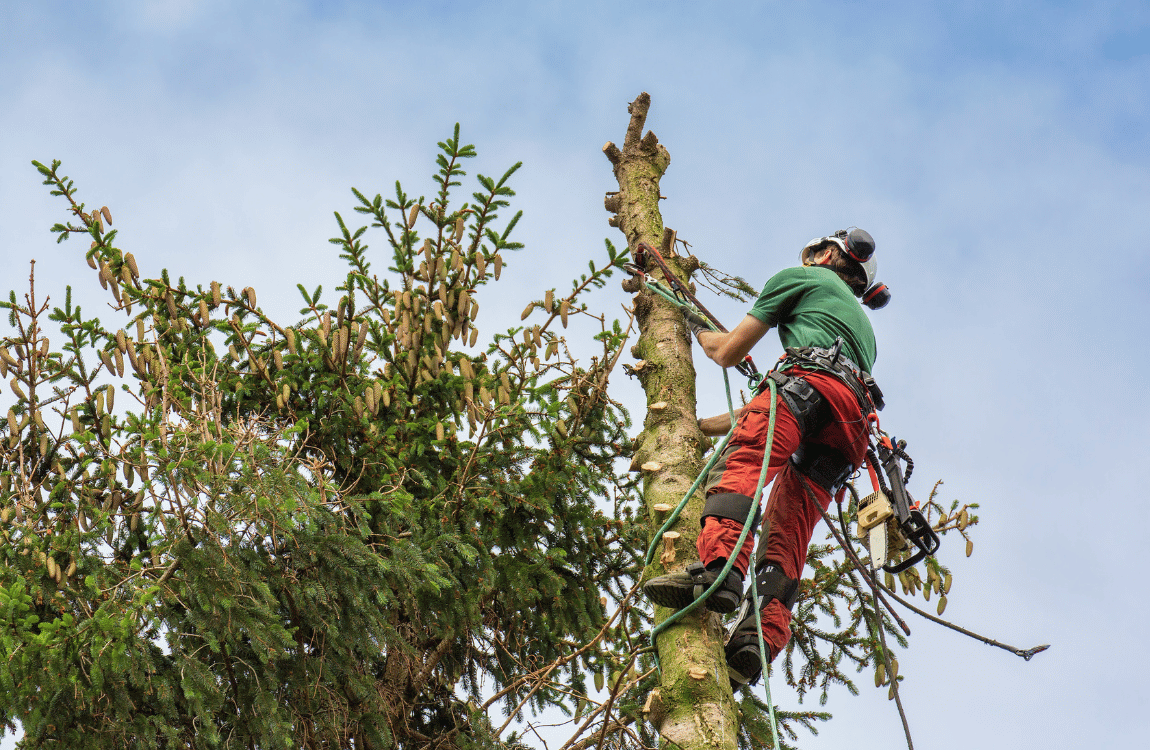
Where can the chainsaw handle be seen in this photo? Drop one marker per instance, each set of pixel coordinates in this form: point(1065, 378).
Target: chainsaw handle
point(916, 529)
point(910, 562)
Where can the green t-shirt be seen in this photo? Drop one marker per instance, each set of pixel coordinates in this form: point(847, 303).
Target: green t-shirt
point(812, 306)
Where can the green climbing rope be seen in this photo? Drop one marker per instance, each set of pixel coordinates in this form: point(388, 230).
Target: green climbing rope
point(673, 517)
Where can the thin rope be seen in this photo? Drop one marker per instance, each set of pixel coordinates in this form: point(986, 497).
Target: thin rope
point(753, 568)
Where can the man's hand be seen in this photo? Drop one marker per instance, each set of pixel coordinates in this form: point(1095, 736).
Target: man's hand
point(717, 425)
point(696, 322)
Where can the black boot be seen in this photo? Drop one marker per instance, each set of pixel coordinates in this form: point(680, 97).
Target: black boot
point(677, 590)
point(744, 660)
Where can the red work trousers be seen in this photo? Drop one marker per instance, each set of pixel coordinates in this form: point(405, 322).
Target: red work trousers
point(790, 516)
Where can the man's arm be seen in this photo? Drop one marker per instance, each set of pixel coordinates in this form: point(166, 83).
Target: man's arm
point(719, 424)
point(728, 349)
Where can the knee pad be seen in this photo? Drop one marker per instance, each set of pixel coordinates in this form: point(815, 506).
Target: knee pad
point(772, 583)
point(730, 505)
point(823, 465)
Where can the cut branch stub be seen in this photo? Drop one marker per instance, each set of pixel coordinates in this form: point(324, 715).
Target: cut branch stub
point(696, 713)
point(614, 155)
point(638, 111)
point(668, 555)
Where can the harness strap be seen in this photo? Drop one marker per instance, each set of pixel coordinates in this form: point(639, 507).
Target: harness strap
point(772, 583)
point(730, 505)
point(833, 362)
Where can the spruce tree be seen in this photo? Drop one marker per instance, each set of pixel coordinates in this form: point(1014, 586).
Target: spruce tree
point(362, 528)
point(348, 530)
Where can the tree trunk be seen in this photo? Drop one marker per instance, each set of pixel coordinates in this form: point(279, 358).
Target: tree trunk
point(694, 707)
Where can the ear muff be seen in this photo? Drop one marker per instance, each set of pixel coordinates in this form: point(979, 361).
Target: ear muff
point(877, 296)
point(857, 243)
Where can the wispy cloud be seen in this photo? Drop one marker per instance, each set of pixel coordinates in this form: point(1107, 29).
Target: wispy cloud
point(998, 152)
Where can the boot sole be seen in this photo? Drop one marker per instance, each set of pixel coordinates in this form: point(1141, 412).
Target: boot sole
point(669, 594)
point(747, 664)
point(674, 596)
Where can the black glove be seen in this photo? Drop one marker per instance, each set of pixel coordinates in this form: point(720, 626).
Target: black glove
point(696, 322)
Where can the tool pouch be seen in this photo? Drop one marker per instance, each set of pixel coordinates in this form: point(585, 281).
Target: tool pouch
point(823, 465)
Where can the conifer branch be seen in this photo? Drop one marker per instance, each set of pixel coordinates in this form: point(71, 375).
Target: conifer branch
point(878, 613)
point(1025, 653)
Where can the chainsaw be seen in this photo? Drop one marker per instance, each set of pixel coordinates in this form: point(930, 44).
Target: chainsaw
point(889, 520)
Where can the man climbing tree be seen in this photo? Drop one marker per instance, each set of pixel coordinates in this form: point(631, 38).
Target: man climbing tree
point(823, 394)
point(811, 423)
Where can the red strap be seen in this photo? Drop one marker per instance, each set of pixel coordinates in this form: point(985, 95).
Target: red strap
point(873, 477)
point(644, 248)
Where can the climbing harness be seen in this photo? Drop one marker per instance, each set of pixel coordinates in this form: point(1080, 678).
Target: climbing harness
point(834, 362)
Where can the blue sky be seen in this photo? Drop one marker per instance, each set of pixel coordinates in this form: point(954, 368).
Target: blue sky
point(998, 152)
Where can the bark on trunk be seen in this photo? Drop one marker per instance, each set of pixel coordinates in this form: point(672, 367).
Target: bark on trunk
point(694, 707)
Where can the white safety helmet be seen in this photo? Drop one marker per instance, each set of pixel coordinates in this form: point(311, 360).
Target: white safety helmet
point(858, 245)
